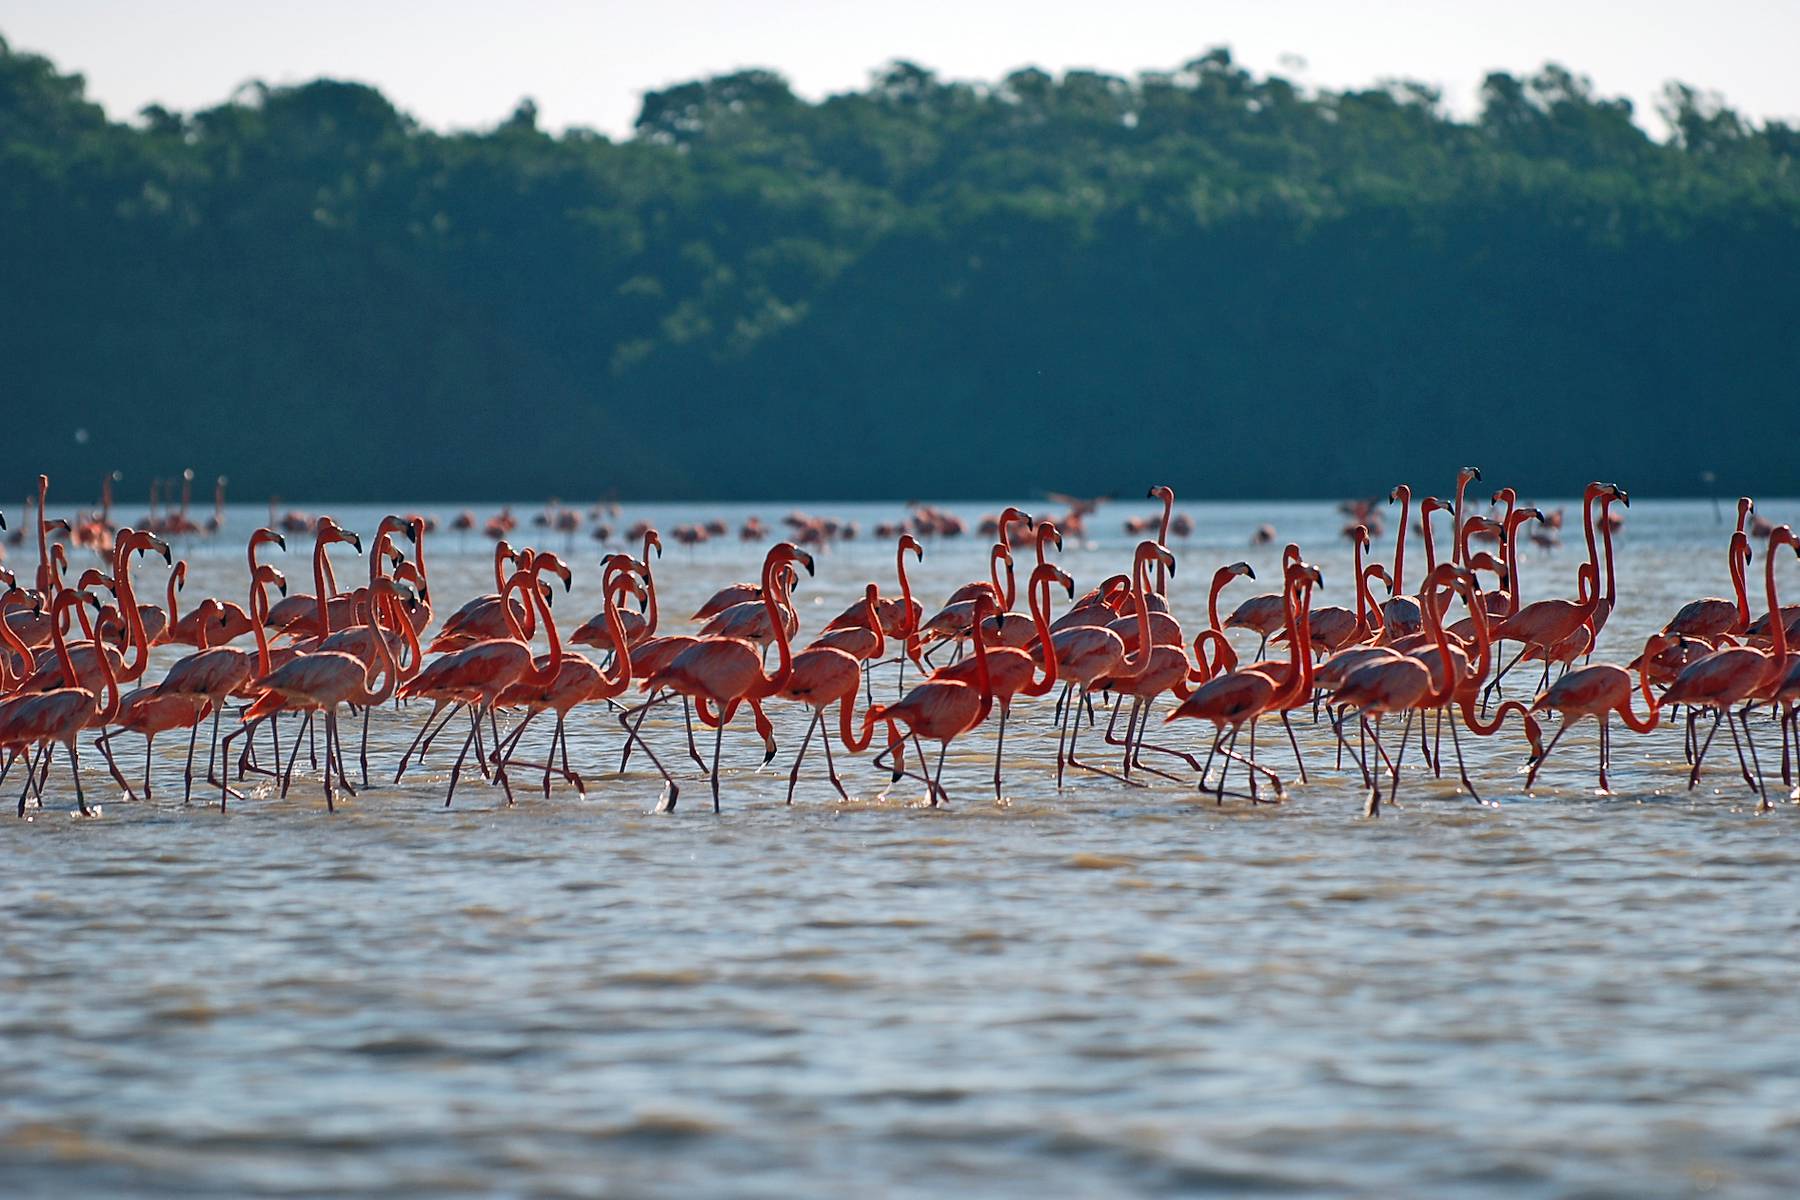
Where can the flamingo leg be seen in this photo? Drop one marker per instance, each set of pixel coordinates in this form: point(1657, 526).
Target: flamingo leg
point(337, 737)
point(999, 748)
point(330, 801)
point(794, 775)
point(456, 771)
point(75, 770)
point(937, 779)
point(1295, 744)
point(1462, 768)
point(224, 770)
point(1605, 751)
point(187, 777)
point(665, 804)
point(1757, 784)
point(112, 765)
point(687, 715)
point(363, 751)
point(1399, 758)
point(831, 767)
point(718, 740)
point(1537, 766)
point(1372, 807)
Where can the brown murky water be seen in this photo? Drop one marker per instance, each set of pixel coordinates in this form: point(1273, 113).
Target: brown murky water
point(1102, 991)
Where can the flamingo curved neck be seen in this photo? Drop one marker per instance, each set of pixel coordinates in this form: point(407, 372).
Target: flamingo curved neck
point(1400, 541)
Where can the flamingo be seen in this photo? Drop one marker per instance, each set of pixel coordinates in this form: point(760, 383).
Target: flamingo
point(44, 719)
point(940, 710)
point(727, 671)
point(325, 679)
point(1012, 669)
point(899, 618)
point(1087, 654)
point(1404, 683)
point(1541, 626)
point(829, 671)
point(597, 630)
point(1599, 691)
point(578, 680)
point(1240, 696)
point(209, 677)
point(1265, 614)
point(1738, 673)
point(479, 673)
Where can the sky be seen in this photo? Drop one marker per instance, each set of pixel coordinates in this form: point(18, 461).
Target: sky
point(462, 64)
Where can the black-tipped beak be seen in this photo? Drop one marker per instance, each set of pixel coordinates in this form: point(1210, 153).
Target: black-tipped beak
point(1249, 573)
point(282, 586)
point(1624, 498)
point(1151, 494)
point(2, 520)
point(1476, 473)
point(281, 541)
point(354, 541)
point(808, 560)
point(1059, 544)
point(411, 531)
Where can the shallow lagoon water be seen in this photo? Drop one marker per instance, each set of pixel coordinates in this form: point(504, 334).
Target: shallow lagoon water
point(1102, 991)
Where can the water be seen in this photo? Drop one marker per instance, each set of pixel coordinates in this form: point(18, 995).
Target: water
point(1099, 992)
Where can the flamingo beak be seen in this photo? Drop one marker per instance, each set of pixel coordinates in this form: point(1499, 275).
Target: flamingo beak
point(355, 542)
point(807, 559)
point(281, 541)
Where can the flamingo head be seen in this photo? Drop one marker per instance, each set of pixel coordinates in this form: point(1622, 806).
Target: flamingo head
point(1431, 504)
point(1359, 534)
point(1401, 492)
point(269, 577)
point(909, 542)
point(1148, 552)
point(1163, 492)
point(549, 562)
point(652, 539)
point(1009, 516)
point(1240, 568)
point(1783, 535)
point(1047, 532)
point(1506, 496)
point(264, 537)
point(1467, 475)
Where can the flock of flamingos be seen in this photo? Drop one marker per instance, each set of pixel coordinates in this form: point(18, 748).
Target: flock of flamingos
point(1425, 655)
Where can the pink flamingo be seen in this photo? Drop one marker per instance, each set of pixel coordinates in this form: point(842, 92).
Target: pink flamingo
point(1240, 696)
point(1089, 653)
point(578, 680)
point(480, 673)
point(47, 718)
point(1599, 691)
point(727, 671)
point(939, 710)
point(829, 671)
point(1404, 684)
point(206, 679)
point(1013, 670)
point(325, 679)
point(1738, 673)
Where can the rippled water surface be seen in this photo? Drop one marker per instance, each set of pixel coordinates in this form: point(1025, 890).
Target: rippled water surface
point(1099, 991)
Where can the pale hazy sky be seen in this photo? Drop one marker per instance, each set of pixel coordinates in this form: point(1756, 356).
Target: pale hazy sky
point(465, 63)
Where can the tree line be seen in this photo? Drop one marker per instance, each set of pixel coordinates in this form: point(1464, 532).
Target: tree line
point(928, 287)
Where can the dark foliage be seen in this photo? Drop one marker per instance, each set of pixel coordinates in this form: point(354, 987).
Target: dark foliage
point(924, 288)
